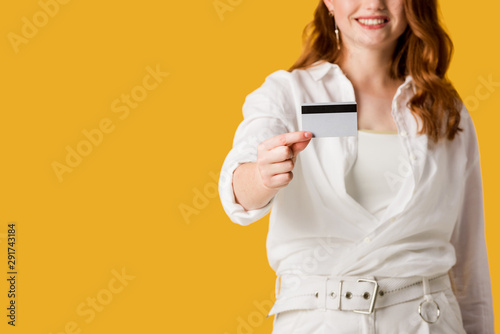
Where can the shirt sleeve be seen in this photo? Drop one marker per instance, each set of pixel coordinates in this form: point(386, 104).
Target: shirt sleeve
point(268, 112)
point(471, 275)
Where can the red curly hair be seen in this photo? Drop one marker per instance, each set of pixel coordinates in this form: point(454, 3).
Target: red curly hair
point(423, 51)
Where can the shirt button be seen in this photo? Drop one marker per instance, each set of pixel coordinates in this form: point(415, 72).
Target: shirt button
point(413, 157)
point(404, 133)
point(392, 220)
point(367, 240)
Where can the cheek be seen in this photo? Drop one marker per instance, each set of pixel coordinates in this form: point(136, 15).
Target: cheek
point(402, 24)
point(343, 8)
point(399, 13)
point(343, 13)
point(399, 10)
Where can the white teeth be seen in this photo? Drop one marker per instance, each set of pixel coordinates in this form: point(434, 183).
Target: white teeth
point(371, 22)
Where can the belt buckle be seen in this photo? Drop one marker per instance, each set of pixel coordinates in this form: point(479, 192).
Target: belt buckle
point(373, 296)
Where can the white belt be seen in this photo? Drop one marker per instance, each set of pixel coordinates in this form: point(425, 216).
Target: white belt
point(361, 295)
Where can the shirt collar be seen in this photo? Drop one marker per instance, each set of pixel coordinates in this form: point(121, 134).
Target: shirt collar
point(321, 68)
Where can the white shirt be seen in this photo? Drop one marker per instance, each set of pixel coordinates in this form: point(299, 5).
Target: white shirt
point(378, 172)
point(434, 224)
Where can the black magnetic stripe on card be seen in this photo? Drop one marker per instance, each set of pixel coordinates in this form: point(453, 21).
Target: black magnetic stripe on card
point(328, 109)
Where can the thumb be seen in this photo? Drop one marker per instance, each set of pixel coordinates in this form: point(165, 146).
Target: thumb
point(299, 147)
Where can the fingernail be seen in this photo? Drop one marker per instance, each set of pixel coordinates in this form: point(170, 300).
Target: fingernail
point(307, 134)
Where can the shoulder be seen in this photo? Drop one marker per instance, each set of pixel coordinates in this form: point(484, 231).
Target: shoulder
point(312, 73)
point(466, 122)
point(276, 86)
point(467, 138)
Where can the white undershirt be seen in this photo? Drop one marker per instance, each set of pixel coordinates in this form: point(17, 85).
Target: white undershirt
point(378, 172)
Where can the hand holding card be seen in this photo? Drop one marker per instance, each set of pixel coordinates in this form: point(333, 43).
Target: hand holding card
point(276, 157)
point(333, 119)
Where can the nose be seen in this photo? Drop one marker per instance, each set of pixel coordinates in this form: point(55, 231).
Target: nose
point(375, 4)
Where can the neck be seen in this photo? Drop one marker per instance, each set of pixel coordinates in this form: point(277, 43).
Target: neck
point(367, 67)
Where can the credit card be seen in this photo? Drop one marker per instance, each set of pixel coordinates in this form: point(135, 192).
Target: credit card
point(332, 119)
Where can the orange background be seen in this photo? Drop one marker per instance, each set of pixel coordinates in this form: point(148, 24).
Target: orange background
point(117, 212)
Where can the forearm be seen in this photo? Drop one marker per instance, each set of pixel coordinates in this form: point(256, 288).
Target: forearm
point(249, 191)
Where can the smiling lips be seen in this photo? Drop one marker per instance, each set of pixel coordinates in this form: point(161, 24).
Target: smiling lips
point(373, 22)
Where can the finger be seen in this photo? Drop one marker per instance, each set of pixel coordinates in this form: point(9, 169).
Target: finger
point(286, 139)
point(279, 180)
point(299, 147)
point(280, 167)
point(277, 154)
point(280, 153)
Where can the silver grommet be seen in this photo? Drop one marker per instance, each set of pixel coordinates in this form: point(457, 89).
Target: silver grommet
point(332, 294)
point(438, 311)
point(348, 295)
point(366, 295)
point(381, 293)
point(316, 294)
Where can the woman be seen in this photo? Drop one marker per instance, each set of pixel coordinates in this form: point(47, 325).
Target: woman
point(372, 230)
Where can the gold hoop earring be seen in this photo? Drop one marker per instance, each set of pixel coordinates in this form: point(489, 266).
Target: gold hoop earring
point(331, 13)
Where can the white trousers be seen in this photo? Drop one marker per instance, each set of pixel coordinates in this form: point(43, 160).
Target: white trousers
point(403, 318)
